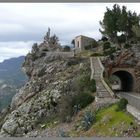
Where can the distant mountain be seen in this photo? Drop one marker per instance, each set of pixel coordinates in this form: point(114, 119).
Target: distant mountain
point(11, 79)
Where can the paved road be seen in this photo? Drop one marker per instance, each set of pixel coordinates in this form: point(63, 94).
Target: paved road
point(133, 98)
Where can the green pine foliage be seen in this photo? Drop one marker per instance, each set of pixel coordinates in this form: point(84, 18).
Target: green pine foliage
point(119, 20)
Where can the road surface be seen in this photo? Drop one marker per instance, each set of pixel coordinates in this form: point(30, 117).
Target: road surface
point(133, 98)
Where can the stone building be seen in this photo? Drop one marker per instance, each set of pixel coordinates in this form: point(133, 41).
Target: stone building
point(82, 41)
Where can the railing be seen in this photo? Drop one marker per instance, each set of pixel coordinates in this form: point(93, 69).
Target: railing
point(132, 99)
point(92, 69)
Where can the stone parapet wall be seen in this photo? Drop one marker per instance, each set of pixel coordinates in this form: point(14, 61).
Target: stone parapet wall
point(132, 110)
point(61, 54)
point(132, 99)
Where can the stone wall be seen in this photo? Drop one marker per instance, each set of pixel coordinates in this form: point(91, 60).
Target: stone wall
point(132, 99)
point(132, 110)
point(61, 54)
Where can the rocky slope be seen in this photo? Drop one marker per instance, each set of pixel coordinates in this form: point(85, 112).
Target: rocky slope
point(51, 74)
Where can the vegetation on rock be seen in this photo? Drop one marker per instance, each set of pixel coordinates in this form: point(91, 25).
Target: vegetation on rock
point(94, 44)
point(66, 48)
point(87, 120)
point(121, 105)
point(71, 104)
point(59, 89)
point(108, 122)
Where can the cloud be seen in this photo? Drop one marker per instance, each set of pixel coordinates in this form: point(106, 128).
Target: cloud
point(23, 22)
point(14, 49)
point(30, 21)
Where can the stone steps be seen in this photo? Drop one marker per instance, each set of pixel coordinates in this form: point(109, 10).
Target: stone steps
point(101, 90)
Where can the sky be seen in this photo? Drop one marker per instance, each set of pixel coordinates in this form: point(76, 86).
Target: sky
point(22, 24)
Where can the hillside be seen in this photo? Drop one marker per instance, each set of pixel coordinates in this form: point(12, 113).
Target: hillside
point(11, 79)
point(59, 99)
point(10, 71)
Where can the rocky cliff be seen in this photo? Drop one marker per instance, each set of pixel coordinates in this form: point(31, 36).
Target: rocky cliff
point(51, 74)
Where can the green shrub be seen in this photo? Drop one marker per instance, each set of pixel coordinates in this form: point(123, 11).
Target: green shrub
point(104, 38)
point(92, 85)
point(82, 100)
point(65, 109)
point(88, 47)
point(85, 84)
point(121, 105)
point(121, 38)
point(88, 119)
point(110, 51)
point(71, 62)
point(70, 105)
point(66, 49)
point(92, 45)
point(106, 45)
point(82, 81)
point(126, 46)
point(96, 54)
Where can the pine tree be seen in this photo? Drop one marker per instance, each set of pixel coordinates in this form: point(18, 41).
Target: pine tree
point(119, 20)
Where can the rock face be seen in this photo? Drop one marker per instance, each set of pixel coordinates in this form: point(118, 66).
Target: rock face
point(125, 57)
point(123, 60)
point(50, 76)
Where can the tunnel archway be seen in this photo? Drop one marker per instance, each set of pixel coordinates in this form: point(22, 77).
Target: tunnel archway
point(126, 80)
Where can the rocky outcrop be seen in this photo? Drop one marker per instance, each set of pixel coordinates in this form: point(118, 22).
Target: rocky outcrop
point(126, 57)
point(50, 75)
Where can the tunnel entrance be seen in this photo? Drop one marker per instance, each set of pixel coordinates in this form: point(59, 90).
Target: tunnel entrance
point(124, 80)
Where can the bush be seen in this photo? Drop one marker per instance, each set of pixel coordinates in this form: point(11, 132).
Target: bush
point(70, 105)
point(104, 39)
point(83, 81)
point(110, 51)
point(88, 119)
point(65, 111)
point(96, 54)
point(88, 47)
point(122, 38)
point(82, 100)
point(92, 85)
point(71, 62)
point(85, 84)
point(121, 105)
point(92, 45)
point(126, 46)
point(106, 45)
point(66, 49)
